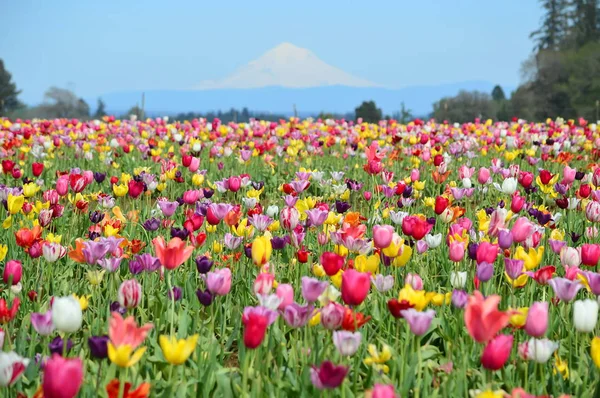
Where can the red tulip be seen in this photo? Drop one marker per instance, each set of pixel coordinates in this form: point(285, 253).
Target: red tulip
point(136, 188)
point(353, 320)
point(496, 352)
point(355, 286)
point(545, 176)
point(396, 307)
point(13, 271)
point(255, 327)
point(186, 160)
point(486, 253)
point(332, 263)
point(173, 254)
point(7, 166)
point(77, 182)
point(37, 169)
point(6, 314)
point(441, 204)
point(482, 317)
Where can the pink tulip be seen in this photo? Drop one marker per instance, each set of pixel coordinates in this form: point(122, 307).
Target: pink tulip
point(496, 352)
point(517, 203)
point(457, 251)
point(13, 271)
point(62, 377)
point(590, 254)
point(62, 185)
point(414, 175)
point(522, 229)
point(234, 183)
point(355, 286)
point(285, 292)
point(484, 176)
point(263, 283)
point(219, 281)
point(568, 175)
point(537, 319)
point(414, 280)
point(382, 236)
point(486, 253)
point(88, 177)
point(367, 195)
point(569, 257)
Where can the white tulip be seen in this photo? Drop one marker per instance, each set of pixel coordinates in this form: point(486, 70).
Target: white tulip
point(585, 315)
point(466, 182)
point(272, 211)
point(433, 241)
point(509, 186)
point(8, 372)
point(458, 280)
point(540, 350)
point(66, 314)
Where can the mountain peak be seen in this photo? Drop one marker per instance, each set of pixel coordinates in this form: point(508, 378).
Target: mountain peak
point(286, 65)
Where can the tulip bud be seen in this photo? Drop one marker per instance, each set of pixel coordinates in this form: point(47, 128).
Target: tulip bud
point(130, 293)
point(66, 314)
point(13, 271)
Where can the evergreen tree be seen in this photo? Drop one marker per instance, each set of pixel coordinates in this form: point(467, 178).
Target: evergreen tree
point(554, 26)
point(369, 112)
point(8, 92)
point(100, 109)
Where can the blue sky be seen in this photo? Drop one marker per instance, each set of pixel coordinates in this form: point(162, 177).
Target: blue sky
point(96, 47)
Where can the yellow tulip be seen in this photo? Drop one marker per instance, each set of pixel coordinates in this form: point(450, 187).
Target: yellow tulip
point(378, 358)
point(30, 189)
point(83, 301)
point(337, 279)
point(532, 258)
point(490, 394)
point(94, 277)
point(370, 264)
point(3, 251)
point(198, 179)
point(261, 250)
point(404, 257)
point(316, 319)
point(123, 355)
point(519, 317)
point(318, 270)
point(418, 298)
point(120, 190)
point(595, 351)
point(15, 203)
point(176, 351)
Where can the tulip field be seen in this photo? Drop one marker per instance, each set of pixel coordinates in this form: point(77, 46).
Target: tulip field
point(299, 258)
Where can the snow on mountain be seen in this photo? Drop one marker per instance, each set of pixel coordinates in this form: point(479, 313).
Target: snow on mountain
point(286, 65)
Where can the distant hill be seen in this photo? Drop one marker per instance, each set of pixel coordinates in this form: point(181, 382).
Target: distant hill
point(312, 100)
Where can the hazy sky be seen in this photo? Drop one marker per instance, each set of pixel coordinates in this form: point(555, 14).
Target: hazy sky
point(95, 47)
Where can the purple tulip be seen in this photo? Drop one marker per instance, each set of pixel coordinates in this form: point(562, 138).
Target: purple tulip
point(565, 289)
point(312, 288)
point(418, 322)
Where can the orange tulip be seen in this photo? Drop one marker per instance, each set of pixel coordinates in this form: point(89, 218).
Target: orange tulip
point(482, 317)
point(174, 253)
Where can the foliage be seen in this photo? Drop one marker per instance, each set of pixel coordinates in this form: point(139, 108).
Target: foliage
point(8, 92)
point(368, 112)
point(466, 106)
point(63, 103)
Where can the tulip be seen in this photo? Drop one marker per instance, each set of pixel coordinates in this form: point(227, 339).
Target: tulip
point(383, 391)
point(173, 254)
point(332, 263)
point(457, 251)
point(263, 283)
point(433, 241)
point(537, 319)
point(522, 229)
point(255, 327)
point(382, 235)
point(585, 315)
point(509, 186)
point(312, 288)
point(15, 203)
point(459, 298)
point(458, 279)
point(125, 338)
point(483, 177)
point(570, 257)
point(595, 351)
point(538, 350)
point(42, 323)
point(355, 286)
point(414, 280)
point(285, 292)
point(513, 268)
point(261, 250)
point(383, 283)
point(328, 375)
point(590, 254)
point(13, 271)
point(63, 377)
point(130, 293)
point(565, 289)
point(418, 322)
point(482, 318)
point(484, 272)
point(592, 211)
point(332, 316)
point(505, 238)
point(176, 352)
point(6, 314)
point(486, 252)
point(496, 352)
point(296, 315)
point(219, 281)
point(346, 343)
point(12, 366)
point(98, 346)
point(67, 315)
point(517, 203)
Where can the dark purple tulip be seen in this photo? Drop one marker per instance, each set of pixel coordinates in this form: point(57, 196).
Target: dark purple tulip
point(116, 307)
point(248, 251)
point(175, 293)
point(560, 188)
point(220, 166)
point(5, 204)
point(489, 210)
point(98, 346)
point(387, 261)
point(278, 242)
point(501, 204)
point(472, 250)
point(579, 175)
point(258, 185)
point(431, 220)
point(180, 201)
point(180, 233)
point(574, 236)
point(407, 193)
point(96, 216)
point(533, 212)
point(151, 224)
point(204, 297)
point(178, 174)
point(208, 193)
point(530, 189)
point(203, 264)
point(202, 207)
point(99, 177)
point(353, 185)
point(93, 235)
point(544, 218)
point(485, 271)
point(341, 207)
point(56, 345)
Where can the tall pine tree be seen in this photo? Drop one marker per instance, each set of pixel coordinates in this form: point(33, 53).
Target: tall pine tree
point(554, 26)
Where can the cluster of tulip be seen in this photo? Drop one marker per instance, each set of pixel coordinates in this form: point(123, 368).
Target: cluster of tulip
point(198, 258)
